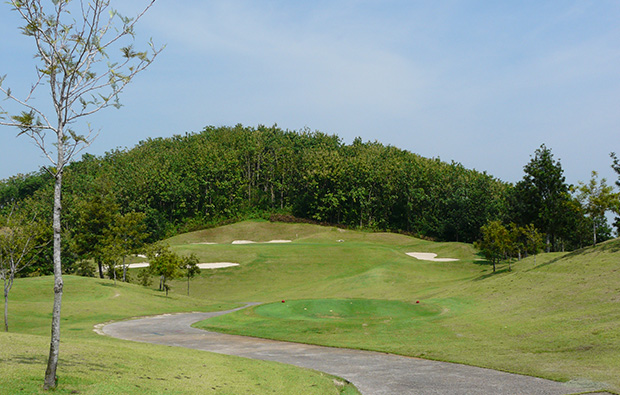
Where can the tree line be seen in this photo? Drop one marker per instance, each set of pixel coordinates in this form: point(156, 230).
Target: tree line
point(163, 186)
point(195, 180)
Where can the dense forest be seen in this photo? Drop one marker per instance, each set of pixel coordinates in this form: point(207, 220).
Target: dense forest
point(221, 174)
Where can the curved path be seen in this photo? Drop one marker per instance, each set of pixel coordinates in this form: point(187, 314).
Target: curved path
point(370, 372)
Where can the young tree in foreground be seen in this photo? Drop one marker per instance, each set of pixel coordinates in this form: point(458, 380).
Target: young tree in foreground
point(18, 245)
point(73, 42)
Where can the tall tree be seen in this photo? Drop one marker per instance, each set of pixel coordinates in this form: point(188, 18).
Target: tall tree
point(541, 196)
point(73, 46)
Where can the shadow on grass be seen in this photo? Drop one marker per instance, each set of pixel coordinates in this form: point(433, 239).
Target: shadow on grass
point(610, 246)
point(492, 274)
point(42, 361)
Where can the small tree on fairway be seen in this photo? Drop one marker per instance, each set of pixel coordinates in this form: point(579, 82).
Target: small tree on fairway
point(533, 240)
point(495, 243)
point(165, 264)
point(189, 267)
point(74, 60)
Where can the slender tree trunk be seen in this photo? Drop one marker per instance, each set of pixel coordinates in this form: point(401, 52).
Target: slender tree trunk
point(6, 311)
point(7, 288)
point(594, 232)
point(124, 270)
point(52, 362)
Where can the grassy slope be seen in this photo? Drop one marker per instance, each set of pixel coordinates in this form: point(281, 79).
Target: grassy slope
point(94, 364)
point(557, 317)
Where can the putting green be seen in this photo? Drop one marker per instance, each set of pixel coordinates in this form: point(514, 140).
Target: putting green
point(335, 322)
point(347, 309)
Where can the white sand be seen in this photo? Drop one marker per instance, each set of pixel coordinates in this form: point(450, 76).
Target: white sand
point(137, 265)
point(214, 265)
point(429, 256)
point(205, 242)
point(252, 242)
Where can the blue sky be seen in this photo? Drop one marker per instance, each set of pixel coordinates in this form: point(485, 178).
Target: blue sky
point(483, 83)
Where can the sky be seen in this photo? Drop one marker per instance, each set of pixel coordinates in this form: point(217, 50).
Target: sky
point(483, 83)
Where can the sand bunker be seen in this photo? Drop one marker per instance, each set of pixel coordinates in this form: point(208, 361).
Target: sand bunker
point(137, 265)
point(429, 256)
point(214, 265)
point(252, 242)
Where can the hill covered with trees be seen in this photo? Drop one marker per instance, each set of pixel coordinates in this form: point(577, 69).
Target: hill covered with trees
point(196, 180)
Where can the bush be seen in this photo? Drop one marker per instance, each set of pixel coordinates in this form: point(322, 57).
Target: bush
point(84, 268)
point(144, 278)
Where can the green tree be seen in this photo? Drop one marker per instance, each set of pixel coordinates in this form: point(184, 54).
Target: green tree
point(542, 196)
point(596, 198)
point(616, 167)
point(19, 238)
point(124, 236)
point(189, 268)
point(533, 240)
point(495, 243)
point(91, 233)
point(164, 263)
point(74, 60)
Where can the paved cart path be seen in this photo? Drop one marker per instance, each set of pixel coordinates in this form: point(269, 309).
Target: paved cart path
point(371, 372)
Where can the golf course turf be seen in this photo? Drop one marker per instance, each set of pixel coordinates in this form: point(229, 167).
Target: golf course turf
point(95, 364)
point(554, 316)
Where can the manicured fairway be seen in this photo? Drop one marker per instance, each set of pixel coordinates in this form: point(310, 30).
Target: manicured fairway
point(95, 364)
point(555, 316)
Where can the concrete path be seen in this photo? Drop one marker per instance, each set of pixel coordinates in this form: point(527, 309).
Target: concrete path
point(371, 372)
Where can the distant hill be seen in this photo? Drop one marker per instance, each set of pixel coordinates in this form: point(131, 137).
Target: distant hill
point(188, 182)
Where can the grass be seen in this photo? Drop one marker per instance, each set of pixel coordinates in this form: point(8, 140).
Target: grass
point(556, 316)
point(95, 364)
